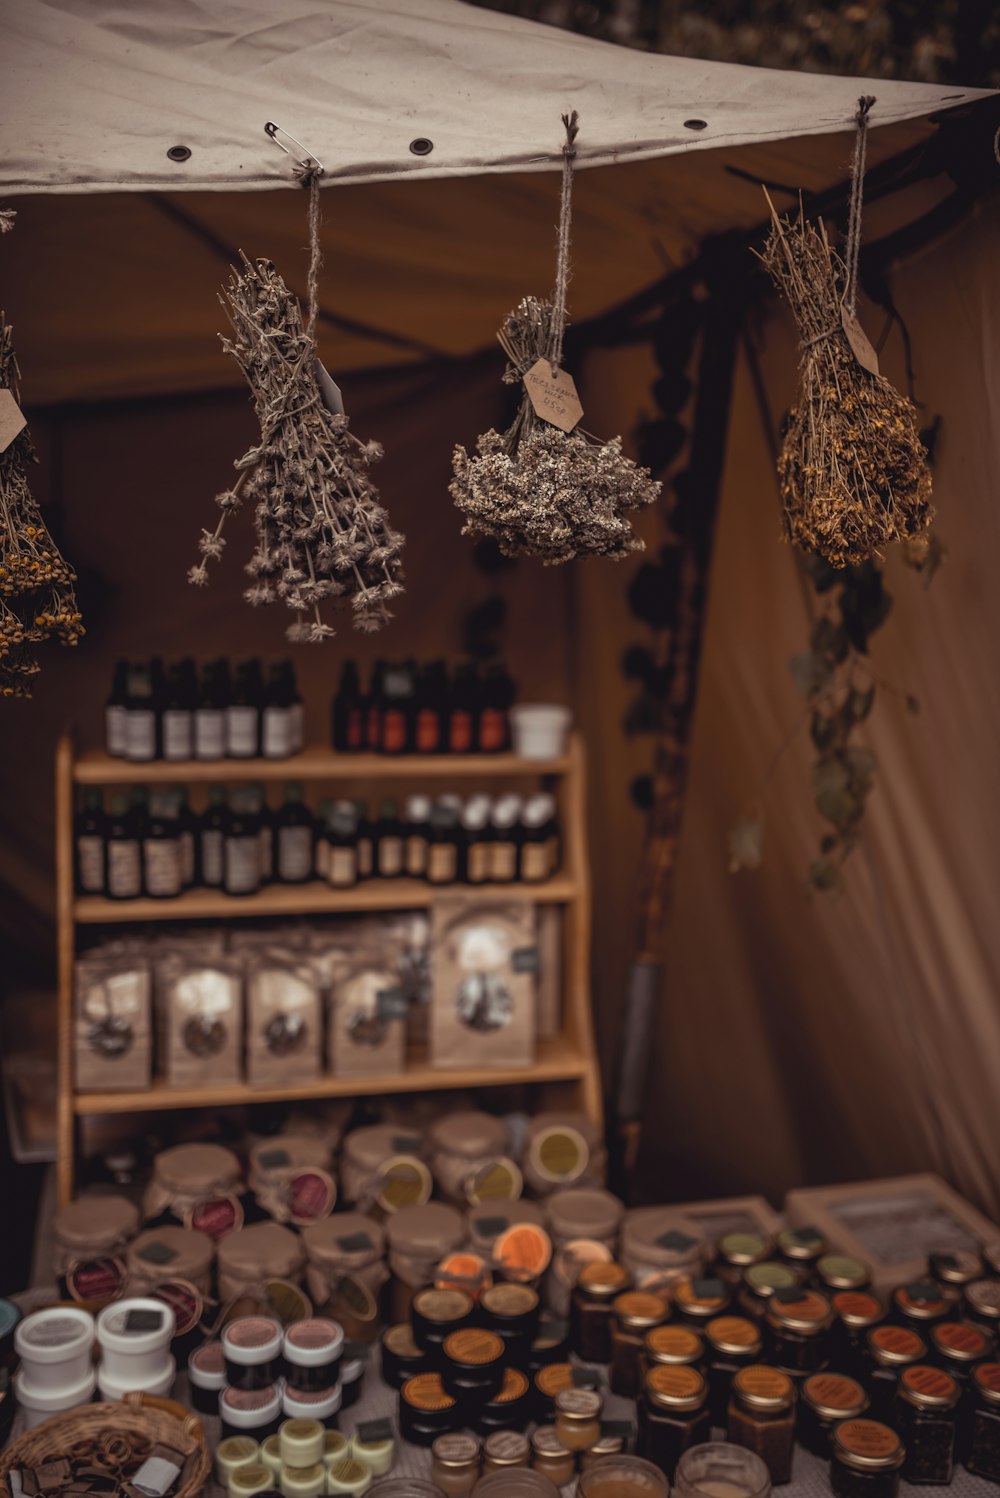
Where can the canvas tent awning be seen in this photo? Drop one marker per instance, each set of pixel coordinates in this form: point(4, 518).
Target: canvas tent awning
point(120, 249)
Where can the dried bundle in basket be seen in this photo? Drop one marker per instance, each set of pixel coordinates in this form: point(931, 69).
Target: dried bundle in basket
point(539, 491)
point(37, 601)
point(853, 472)
point(322, 536)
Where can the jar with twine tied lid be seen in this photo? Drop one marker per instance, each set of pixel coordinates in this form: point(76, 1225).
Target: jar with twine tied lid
point(188, 1174)
point(489, 1220)
point(93, 1227)
point(584, 1212)
point(347, 1243)
point(290, 1178)
point(419, 1237)
point(251, 1255)
point(563, 1149)
point(169, 1253)
point(462, 1145)
point(366, 1151)
point(658, 1248)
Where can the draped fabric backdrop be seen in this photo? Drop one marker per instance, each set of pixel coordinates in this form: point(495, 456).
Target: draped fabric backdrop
point(801, 1040)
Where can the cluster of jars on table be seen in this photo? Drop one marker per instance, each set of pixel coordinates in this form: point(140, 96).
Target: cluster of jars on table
point(773, 1342)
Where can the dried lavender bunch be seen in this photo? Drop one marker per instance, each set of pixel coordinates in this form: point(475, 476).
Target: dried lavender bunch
point(538, 491)
point(852, 469)
point(322, 536)
point(37, 600)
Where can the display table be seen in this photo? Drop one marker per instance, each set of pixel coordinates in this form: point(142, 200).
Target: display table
point(811, 1478)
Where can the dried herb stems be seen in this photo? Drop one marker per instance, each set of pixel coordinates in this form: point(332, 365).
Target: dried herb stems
point(37, 601)
point(852, 471)
point(322, 536)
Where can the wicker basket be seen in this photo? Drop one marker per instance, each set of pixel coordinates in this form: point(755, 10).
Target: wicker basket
point(137, 1415)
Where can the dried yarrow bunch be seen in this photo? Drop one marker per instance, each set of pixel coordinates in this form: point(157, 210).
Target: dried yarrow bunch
point(37, 601)
point(853, 471)
point(322, 536)
point(539, 491)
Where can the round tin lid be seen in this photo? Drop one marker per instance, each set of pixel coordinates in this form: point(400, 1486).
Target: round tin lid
point(196, 1169)
point(678, 1388)
point(736, 1334)
point(762, 1388)
point(347, 1239)
point(867, 1445)
point(470, 1134)
point(95, 1224)
point(929, 1388)
point(259, 1251)
point(584, 1212)
point(425, 1231)
point(834, 1396)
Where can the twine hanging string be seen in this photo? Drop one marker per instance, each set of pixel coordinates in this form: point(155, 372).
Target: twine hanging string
point(853, 250)
point(571, 123)
point(308, 176)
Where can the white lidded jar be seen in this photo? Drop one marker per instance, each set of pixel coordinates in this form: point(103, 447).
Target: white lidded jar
point(110, 1386)
point(54, 1347)
point(38, 1404)
point(134, 1336)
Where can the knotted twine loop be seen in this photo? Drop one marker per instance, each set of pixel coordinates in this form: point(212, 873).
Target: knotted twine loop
point(853, 251)
point(570, 121)
point(308, 176)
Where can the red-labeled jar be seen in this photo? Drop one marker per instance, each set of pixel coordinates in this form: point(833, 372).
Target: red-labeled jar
point(982, 1454)
point(824, 1400)
point(866, 1459)
point(922, 1302)
point(798, 1325)
point(925, 1416)
point(958, 1346)
point(890, 1350)
point(855, 1313)
point(633, 1314)
point(733, 1342)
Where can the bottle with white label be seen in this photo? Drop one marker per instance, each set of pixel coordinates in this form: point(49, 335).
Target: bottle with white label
point(177, 719)
point(540, 838)
point(116, 713)
point(124, 852)
point(211, 838)
point(365, 841)
point(417, 831)
point(443, 861)
point(295, 707)
point(257, 800)
point(505, 840)
point(210, 712)
point(141, 717)
point(241, 847)
point(389, 844)
point(187, 823)
point(243, 716)
point(478, 842)
point(277, 719)
point(90, 835)
point(294, 835)
point(321, 852)
point(342, 842)
point(162, 859)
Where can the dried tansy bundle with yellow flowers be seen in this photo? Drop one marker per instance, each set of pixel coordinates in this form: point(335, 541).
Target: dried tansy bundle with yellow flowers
point(322, 536)
point(853, 472)
point(37, 601)
point(538, 490)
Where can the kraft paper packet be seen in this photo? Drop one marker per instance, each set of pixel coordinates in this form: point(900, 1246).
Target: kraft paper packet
point(484, 962)
point(113, 1030)
point(200, 1008)
point(284, 1019)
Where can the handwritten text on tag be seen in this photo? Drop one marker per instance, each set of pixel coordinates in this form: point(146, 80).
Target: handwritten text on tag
point(554, 397)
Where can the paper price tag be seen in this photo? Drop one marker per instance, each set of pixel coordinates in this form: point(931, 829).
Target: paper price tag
point(861, 346)
point(553, 396)
point(12, 419)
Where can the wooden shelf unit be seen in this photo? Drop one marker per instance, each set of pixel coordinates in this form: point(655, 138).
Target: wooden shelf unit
point(565, 1070)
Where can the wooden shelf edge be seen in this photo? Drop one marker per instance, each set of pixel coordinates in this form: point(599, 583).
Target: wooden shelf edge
point(94, 767)
point(315, 898)
point(555, 1062)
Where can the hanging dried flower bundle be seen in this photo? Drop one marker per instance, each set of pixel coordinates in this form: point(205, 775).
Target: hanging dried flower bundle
point(539, 489)
point(322, 536)
point(37, 601)
point(853, 472)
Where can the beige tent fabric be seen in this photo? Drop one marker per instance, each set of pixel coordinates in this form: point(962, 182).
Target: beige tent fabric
point(96, 94)
point(810, 1039)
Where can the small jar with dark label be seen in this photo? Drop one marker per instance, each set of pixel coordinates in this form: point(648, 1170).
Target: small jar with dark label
point(762, 1418)
point(455, 1462)
point(633, 1314)
point(842, 1272)
point(801, 1247)
point(207, 1377)
point(510, 1409)
point(866, 1459)
point(733, 1342)
point(697, 1301)
point(983, 1440)
point(251, 1347)
point(824, 1400)
point(512, 1311)
point(590, 1315)
point(313, 1349)
point(735, 1252)
point(401, 1357)
point(426, 1410)
point(855, 1313)
point(673, 1415)
point(922, 1302)
point(254, 1412)
point(955, 1269)
point(925, 1416)
point(674, 1347)
point(890, 1350)
point(435, 1314)
point(472, 1369)
point(760, 1282)
point(957, 1346)
point(798, 1326)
